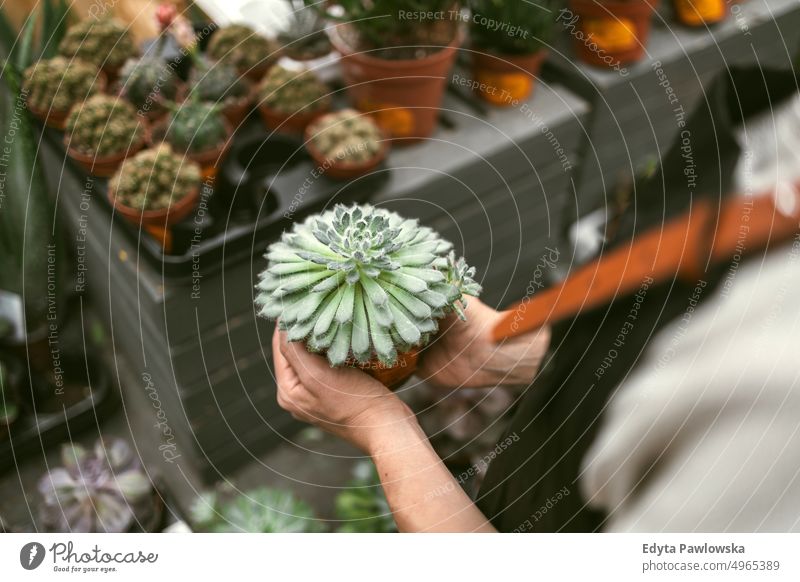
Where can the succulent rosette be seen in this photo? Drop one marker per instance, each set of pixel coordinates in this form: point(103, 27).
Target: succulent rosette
point(360, 283)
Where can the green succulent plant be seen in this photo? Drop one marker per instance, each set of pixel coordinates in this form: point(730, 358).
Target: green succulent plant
point(57, 84)
point(261, 510)
point(305, 37)
point(98, 490)
point(242, 47)
point(217, 82)
point(155, 179)
point(289, 92)
point(360, 282)
point(347, 137)
point(105, 43)
point(534, 24)
point(196, 126)
point(147, 80)
point(9, 409)
point(363, 507)
point(104, 126)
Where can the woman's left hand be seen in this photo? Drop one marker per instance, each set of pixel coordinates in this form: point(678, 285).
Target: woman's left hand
point(343, 401)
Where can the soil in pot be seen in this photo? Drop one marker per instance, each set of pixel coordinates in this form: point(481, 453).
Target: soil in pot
point(403, 94)
point(700, 12)
point(506, 79)
point(612, 33)
point(102, 166)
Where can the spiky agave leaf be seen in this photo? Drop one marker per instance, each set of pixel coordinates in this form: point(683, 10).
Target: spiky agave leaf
point(359, 282)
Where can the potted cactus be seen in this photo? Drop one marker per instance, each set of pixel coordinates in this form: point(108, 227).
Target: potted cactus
point(505, 66)
point(365, 287)
point(304, 39)
point(290, 100)
point(101, 132)
point(102, 490)
point(220, 83)
point(155, 187)
point(346, 144)
point(198, 131)
point(700, 12)
point(396, 56)
point(105, 43)
point(245, 49)
point(609, 32)
point(149, 84)
point(54, 85)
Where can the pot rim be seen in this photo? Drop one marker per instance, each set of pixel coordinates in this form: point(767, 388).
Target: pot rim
point(151, 215)
point(321, 159)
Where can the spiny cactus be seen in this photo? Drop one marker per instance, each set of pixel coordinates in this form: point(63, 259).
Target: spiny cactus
point(147, 80)
point(195, 126)
point(346, 137)
point(98, 490)
point(154, 179)
point(360, 282)
point(105, 43)
point(57, 84)
point(288, 91)
point(217, 82)
point(103, 126)
point(242, 47)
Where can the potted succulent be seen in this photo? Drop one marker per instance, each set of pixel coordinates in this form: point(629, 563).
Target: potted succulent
point(506, 66)
point(102, 490)
point(221, 84)
point(197, 130)
point(346, 144)
point(610, 32)
point(362, 507)
point(290, 100)
point(155, 187)
point(305, 38)
point(103, 42)
point(54, 85)
point(261, 510)
point(239, 45)
point(396, 66)
point(101, 132)
point(363, 286)
point(700, 12)
point(149, 84)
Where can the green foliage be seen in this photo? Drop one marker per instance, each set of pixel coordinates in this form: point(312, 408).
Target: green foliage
point(148, 79)
point(524, 26)
point(154, 179)
point(261, 510)
point(104, 43)
point(59, 83)
point(241, 47)
point(98, 490)
point(103, 126)
point(217, 82)
point(347, 137)
point(196, 126)
point(289, 92)
point(305, 38)
point(363, 507)
point(362, 282)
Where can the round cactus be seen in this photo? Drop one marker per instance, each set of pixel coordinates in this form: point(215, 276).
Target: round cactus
point(154, 179)
point(103, 126)
point(217, 82)
point(195, 126)
point(289, 92)
point(346, 137)
point(58, 83)
point(148, 80)
point(360, 283)
point(105, 43)
point(242, 47)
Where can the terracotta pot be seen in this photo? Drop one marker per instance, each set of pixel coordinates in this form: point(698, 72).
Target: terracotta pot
point(255, 74)
point(392, 377)
point(505, 79)
point(614, 32)
point(236, 109)
point(157, 218)
point(58, 119)
point(102, 167)
point(404, 96)
point(339, 169)
point(208, 160)
point(700, 12)
point(289, 122)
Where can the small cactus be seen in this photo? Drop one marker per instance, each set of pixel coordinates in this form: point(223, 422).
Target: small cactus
point(217, 82)
point(242, 47)
point(103, 126)
point(346, 137)
point(305, 37)
point(105, 43)
point(289, 92)
point(57, 84)
point(154, 179)
point(195, 126)
point(147, 80)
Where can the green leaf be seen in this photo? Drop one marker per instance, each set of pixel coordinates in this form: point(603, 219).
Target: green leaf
point(375, 293)
point(23, 58)
point(360, 334)
point(325, 317)
point(345, 311)
point(340, 348)
point(408, 282)
point(406, 328)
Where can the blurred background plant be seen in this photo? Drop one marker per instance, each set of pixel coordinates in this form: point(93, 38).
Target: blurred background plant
point(535, 23)
point(362, 507)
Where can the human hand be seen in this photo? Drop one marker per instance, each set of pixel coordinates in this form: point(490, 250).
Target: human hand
point(342, 401)
point(465, 355)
